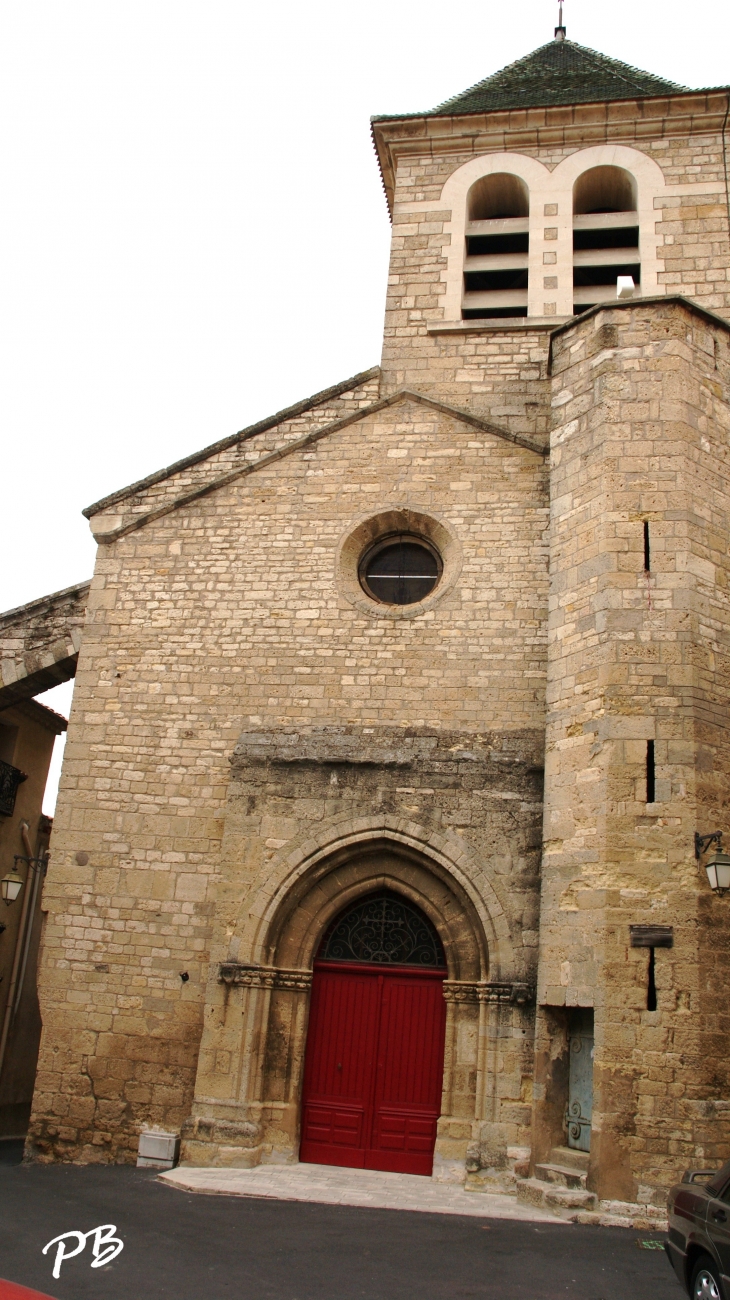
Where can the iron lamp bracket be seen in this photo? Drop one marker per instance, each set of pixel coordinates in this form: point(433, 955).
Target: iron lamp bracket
point(703, 842)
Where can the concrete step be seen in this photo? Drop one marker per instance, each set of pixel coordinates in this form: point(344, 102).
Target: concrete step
point(562, 1175)
point(567, 1158)
point(551, 1197)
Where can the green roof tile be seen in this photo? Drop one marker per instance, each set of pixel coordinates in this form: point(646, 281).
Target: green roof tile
point(561, 72)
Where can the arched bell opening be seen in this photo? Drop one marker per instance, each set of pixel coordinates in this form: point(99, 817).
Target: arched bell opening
point(604, 189)
point(606, 252)
point(497, 245)
point(498, 196)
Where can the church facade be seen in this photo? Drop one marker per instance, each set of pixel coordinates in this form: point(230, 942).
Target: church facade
point(396, 714)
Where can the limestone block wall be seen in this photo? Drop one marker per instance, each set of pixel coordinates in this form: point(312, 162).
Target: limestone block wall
point(228, 614)
point(695, 248)
point(640, 436)
point(39, 643)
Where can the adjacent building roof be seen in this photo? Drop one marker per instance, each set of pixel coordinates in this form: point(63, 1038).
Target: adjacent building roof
point(561, 72)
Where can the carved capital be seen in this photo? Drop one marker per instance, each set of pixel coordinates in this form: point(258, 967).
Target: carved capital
point(263, 977)
point(459, 991)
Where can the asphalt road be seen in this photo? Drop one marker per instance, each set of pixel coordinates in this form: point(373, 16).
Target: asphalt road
point(189, 1247)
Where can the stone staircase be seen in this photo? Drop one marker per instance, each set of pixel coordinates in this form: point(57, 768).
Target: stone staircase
point(560, 1184)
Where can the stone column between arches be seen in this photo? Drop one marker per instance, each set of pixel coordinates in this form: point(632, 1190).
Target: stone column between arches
point(247, 1106)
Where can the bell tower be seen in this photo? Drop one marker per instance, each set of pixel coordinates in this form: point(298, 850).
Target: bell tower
point(560, 258)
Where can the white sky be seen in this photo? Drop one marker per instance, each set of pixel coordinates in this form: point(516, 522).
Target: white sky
point(192, 230)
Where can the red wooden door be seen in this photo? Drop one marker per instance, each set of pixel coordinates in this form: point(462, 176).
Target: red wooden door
point(373, 1067)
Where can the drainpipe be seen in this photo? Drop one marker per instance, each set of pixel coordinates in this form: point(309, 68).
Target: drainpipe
point(40, 865)
point(29, 897)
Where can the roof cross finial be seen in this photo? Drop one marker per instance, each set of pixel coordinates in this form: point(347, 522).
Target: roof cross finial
point(560, 30)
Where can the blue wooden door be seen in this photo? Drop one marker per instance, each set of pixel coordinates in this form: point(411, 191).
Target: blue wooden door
point(580, 1094)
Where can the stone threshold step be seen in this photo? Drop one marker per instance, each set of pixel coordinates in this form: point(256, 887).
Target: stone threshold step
point(534, 1191)
point(561, 1175)
point(601, 1219)
point(569, 1158)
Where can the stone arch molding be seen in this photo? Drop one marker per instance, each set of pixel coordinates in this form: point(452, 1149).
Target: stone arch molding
point(252, 1051)
point(307, 886)
point(551, 187)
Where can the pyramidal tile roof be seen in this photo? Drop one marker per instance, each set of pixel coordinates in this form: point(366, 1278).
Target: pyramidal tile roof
point(561, 72)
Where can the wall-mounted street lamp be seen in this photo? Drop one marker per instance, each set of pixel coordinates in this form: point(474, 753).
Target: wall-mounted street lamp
point(11, 885)
point(717, 865)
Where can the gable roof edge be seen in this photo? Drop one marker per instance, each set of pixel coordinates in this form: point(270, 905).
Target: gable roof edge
point(288, 413)
point(31, 606)
point(242, 471)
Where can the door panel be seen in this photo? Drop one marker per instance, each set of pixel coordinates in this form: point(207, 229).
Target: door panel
point(410, 1071)
point(580, 1097)
point(373, 1070)
point(339, 1066)
point(335, 1125)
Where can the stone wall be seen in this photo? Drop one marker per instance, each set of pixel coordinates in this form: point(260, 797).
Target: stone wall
point(641, 435)
point(234, 612)
point(39, 643)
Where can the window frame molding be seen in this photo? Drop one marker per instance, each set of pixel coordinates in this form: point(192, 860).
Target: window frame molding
point(403, 517)
point(551, 187)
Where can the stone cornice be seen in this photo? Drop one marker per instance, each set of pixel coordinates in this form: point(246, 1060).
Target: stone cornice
point(526, 130)
point(507, 325)
point(299, 981)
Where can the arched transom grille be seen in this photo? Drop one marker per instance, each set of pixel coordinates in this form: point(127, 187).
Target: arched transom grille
point(386, 930)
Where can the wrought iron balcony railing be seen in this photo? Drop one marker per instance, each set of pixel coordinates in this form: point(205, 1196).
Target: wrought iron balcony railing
point(10, 778)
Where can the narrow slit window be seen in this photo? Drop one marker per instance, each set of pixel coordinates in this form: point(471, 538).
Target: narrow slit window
point(647, 548)
point(651, 984)
point(650, 773)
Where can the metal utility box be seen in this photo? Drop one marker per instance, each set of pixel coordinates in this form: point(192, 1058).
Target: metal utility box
point(158, 1149)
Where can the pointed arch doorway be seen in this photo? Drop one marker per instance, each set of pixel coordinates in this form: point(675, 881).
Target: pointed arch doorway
point(375, 1048)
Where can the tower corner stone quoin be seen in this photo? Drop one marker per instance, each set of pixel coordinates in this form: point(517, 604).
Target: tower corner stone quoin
point(521, 751)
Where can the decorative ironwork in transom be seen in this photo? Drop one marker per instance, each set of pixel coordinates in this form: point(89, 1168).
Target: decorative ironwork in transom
point(386, 930)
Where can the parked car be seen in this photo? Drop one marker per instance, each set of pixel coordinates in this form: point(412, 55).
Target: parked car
point(698, 1242)
point(13, 1291)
